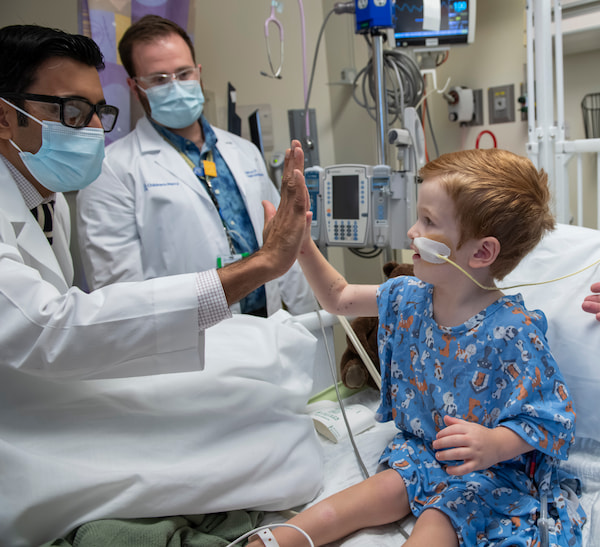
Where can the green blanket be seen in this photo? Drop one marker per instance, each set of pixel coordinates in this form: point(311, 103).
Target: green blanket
point(213, 530)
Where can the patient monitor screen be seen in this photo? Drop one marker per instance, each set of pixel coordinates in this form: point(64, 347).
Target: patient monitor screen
point(456, 25)
point(345, 196)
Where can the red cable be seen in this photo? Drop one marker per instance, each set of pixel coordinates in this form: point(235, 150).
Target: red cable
point(481, 135)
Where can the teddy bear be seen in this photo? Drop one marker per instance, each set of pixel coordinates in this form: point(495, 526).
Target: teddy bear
point(354, 373)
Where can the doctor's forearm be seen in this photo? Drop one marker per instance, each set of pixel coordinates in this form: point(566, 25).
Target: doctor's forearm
point(244, 276)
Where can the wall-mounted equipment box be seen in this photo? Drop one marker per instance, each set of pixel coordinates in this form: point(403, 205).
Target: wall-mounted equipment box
point(501, 104)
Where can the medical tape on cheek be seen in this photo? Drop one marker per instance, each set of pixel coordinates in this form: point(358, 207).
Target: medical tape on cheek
point(432, 251)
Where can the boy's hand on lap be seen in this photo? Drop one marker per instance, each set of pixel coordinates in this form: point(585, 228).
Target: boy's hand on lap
point(472, 443)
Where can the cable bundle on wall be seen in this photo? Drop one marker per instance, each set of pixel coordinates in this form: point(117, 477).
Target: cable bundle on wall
point(403, 84)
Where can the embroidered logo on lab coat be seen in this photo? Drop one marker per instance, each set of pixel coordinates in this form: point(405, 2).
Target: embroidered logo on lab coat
point(148, 185)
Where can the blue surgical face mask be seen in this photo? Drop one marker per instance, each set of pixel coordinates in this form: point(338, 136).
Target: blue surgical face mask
point(176, 104)
point(69, 159)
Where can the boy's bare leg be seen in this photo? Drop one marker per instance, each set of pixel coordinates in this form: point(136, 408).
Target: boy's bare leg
point(380, 499)
point(433, 528)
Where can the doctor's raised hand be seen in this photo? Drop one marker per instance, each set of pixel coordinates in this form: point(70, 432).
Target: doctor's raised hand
point(591, 303)
point(284, 232)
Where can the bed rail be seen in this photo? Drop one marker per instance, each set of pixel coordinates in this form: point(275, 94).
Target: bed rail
point(547, 145)
point(585, 174)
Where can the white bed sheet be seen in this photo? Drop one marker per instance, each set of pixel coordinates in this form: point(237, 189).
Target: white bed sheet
point(342, 470)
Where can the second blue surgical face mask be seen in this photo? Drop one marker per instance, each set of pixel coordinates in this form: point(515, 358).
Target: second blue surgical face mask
point(69, 159)
point(176, 104)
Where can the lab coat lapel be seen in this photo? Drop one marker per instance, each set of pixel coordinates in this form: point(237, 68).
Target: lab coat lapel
point(232, 155)
point(30, 239)
point(240, 164)
point(167, 158)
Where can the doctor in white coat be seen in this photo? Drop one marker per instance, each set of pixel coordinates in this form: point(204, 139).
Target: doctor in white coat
point(78, 441)
point(177, 195)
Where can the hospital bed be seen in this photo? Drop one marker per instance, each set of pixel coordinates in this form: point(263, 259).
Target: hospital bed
point(252, 445)
point(575, 340)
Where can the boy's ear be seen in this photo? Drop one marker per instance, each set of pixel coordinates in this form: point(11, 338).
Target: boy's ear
point(485, 253)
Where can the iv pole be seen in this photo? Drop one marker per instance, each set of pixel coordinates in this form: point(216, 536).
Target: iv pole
point(381, 106)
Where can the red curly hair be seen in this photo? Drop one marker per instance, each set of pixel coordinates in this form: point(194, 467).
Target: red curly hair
point(496, 193)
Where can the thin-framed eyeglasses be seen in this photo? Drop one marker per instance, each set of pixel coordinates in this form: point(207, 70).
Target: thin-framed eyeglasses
point(160, 78)
point(75, 112)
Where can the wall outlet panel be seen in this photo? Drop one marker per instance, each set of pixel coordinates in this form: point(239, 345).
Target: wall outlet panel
point(501, 104)
point(297, 125)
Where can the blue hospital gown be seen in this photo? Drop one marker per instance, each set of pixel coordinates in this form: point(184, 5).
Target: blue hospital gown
point(495, 369)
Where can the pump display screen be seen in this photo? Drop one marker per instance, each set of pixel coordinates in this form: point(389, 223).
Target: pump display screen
point(456, 26)
point(345, 196)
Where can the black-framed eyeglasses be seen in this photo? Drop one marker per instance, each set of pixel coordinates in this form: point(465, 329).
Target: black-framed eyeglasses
point(75, 112)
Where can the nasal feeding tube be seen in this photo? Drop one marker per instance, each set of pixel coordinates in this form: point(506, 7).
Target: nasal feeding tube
point(436, 252)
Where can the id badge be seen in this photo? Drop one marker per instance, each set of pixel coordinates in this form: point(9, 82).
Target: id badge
point(210, 168)
point(229, 259)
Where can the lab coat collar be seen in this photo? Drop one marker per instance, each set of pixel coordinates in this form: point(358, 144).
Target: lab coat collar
point(30, 238)
point(151, 143)
point(148, 138)
point(228, 145)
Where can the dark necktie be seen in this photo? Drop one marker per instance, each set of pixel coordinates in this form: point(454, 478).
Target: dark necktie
point(44, 214)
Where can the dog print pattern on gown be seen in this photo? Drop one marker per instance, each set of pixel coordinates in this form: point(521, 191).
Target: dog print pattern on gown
point(496, 369)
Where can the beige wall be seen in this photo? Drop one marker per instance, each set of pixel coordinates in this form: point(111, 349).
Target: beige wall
point(230, 45)
point(55, 13)
point(229, 39)
point(497, 57)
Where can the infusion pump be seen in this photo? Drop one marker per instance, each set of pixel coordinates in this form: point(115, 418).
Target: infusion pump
point(352, 205)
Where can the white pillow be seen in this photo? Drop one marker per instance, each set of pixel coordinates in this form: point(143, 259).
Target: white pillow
point(573, 334)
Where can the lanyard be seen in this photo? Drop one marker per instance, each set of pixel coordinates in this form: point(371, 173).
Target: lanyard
point(206, 179)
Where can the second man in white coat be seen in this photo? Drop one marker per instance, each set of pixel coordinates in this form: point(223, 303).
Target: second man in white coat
point(177, 195)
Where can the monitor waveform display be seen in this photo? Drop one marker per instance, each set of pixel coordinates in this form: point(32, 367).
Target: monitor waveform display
point(456, 24)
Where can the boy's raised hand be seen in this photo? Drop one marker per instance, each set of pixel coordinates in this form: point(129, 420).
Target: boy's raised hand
point(285, 228)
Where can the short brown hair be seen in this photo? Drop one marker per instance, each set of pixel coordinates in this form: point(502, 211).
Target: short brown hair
point(148, 29)
point(496, 193)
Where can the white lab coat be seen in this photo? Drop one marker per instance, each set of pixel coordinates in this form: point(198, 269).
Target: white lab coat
point(78, 442)
point(148, 215)
point(57, 331)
